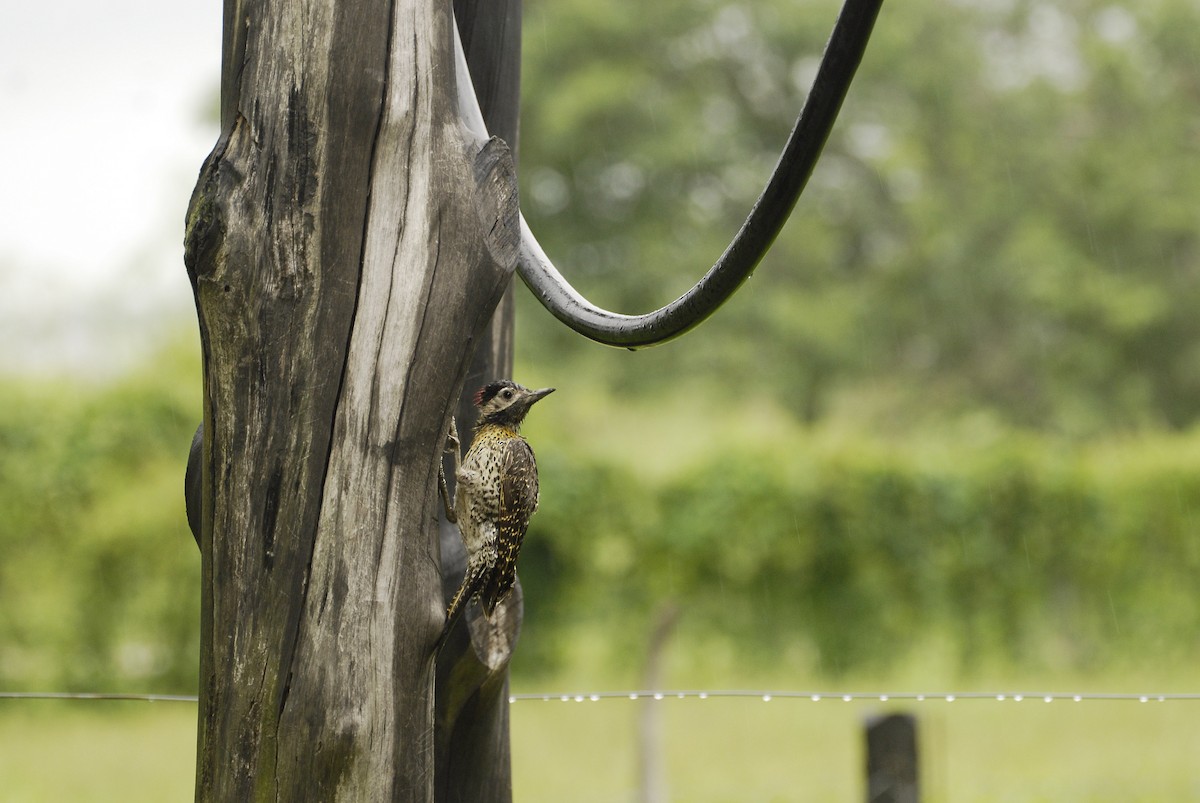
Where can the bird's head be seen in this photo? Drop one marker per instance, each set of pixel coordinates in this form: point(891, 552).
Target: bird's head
point(505, 402)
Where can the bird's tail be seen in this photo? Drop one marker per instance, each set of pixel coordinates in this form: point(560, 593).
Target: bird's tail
point(470, 587)
point(497, 589)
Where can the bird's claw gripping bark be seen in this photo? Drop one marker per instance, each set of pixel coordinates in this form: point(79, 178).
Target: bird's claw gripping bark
point(452, 447)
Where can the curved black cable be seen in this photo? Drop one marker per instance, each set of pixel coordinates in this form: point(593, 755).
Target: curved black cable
point(842, 56)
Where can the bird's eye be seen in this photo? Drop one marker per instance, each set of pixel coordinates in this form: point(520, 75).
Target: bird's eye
point(507, 394)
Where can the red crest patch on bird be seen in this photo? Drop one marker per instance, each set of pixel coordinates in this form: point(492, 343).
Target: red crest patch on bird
point(485, 393)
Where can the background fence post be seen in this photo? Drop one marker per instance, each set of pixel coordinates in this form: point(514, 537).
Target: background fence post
point(892, 759)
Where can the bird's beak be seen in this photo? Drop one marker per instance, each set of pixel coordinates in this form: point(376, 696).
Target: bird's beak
point(538, 395)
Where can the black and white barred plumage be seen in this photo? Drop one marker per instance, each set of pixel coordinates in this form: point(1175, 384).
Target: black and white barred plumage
point(496, 495)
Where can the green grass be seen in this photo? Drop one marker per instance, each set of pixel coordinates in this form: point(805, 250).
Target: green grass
point(96, 752)
point(716, 750)
point(796, 750)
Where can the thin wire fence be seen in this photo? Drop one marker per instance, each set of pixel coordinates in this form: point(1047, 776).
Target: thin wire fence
point(90, 695)
point(849, 697)
point(764, 695)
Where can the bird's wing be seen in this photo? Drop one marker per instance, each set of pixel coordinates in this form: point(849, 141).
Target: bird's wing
point(519, 486)
point(518, 501)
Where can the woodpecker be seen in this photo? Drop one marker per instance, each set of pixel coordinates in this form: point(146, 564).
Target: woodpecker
point(496, 494)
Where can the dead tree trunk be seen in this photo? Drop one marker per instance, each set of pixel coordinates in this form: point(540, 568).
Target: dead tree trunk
point(472, 752)
point(347, 242)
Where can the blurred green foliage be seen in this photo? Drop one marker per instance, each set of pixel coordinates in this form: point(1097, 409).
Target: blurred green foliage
point(852, 554)
point(793, 546)
point(958, 403)
point(996, 259)
point(1002, 219)
point(100, 578)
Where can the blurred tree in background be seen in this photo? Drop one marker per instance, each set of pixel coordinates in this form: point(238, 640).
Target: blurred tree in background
point(957, 403)
point(1002, 220)
point(98, 584)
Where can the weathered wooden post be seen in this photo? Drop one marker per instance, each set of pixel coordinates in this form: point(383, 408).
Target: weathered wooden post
point(652, 771)
point(347, 242)
point(472, 754)
point(892, 759)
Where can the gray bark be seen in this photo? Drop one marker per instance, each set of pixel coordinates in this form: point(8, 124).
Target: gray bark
point(347, 242)
point(472, 752)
